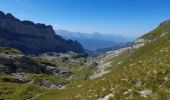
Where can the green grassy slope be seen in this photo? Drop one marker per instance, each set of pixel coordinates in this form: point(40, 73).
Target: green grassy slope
point(147, 69)
point(15, 91)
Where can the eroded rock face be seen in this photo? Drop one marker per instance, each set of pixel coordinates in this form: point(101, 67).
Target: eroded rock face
point(33, 38)
point(139, 43)
point(21, 64)
point(20, 78)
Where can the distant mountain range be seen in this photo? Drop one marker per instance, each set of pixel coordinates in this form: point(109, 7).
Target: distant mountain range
point(94, 41)
point(33, 38)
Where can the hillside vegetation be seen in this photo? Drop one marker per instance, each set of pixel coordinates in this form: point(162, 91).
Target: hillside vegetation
point(144, 76)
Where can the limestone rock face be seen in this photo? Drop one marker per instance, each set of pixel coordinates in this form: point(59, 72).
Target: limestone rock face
point(33, 38)
point(18, 64)
point(22, 64)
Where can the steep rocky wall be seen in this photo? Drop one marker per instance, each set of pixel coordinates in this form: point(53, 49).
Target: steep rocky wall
point(33, 38)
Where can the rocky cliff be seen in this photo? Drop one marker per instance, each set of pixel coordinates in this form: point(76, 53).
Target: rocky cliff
point(33, 38)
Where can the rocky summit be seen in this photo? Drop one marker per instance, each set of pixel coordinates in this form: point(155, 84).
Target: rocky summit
point(31, 38)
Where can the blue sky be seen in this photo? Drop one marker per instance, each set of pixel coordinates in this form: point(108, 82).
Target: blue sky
point(130, 18)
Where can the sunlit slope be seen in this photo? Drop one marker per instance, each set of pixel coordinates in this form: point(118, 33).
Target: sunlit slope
point(145, 75)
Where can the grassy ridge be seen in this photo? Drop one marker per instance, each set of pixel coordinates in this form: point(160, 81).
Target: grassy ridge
point(156, 33)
